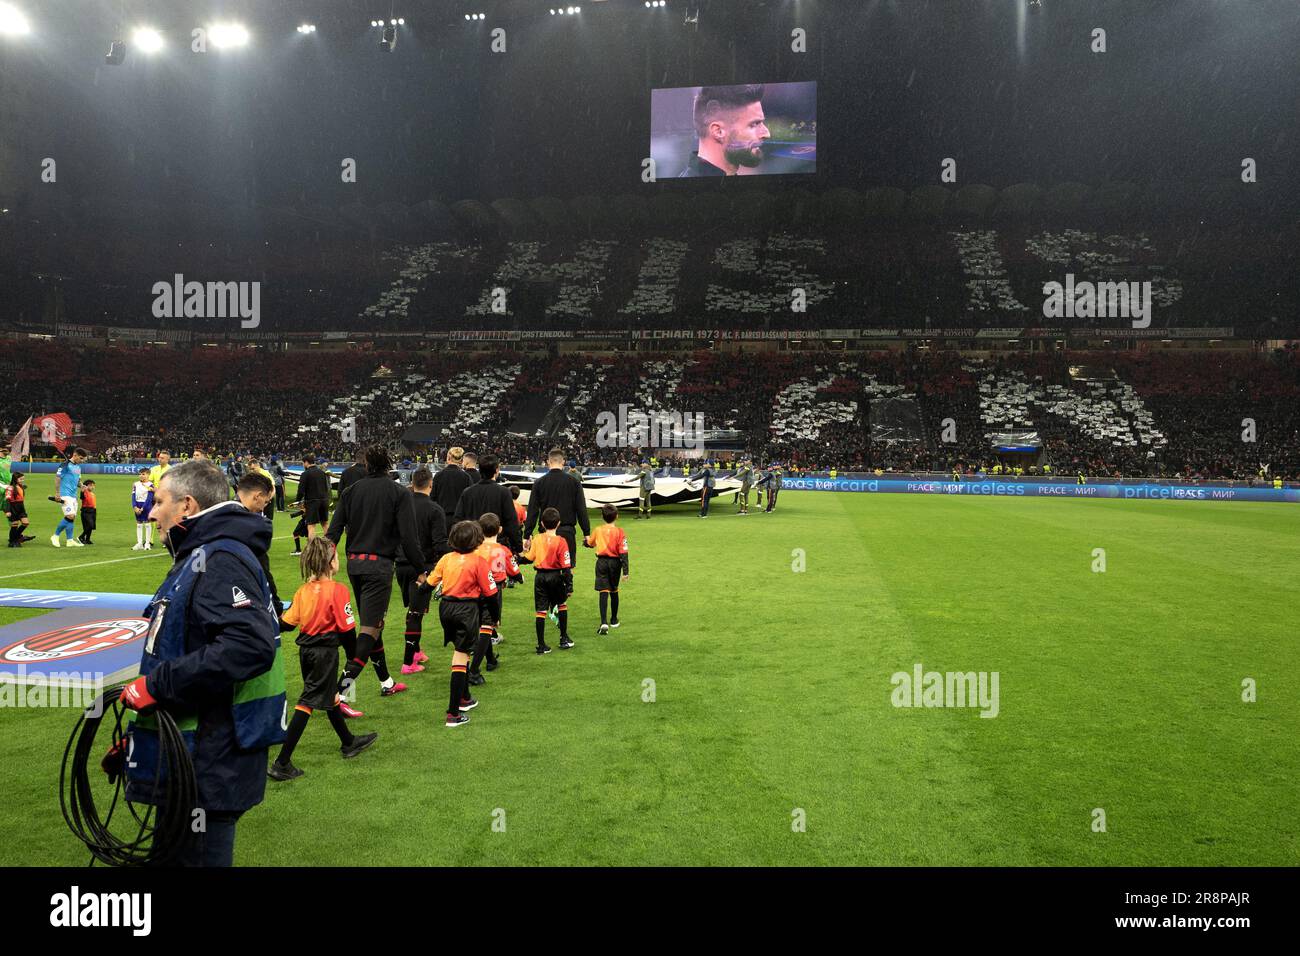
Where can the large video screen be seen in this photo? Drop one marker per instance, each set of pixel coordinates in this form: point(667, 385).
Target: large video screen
point(754, 129)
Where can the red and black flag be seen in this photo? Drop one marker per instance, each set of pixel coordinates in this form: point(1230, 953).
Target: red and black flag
point(55, 429)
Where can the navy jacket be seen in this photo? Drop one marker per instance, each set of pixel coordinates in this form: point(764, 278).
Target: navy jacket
point(225, 644)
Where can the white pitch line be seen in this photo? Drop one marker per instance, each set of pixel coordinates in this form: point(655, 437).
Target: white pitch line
point(74, 567)
point(92, 564)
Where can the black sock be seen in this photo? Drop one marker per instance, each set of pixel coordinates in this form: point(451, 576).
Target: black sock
point(564, 622)
point(380, 660)
point(352, 669)
point(541, 630)
point(604, 605)
point(297, 544)
point(297, 724)
point(340, 725)
point(15, 534)
point(459, 688)
point(357, 658)
point(613, 607)
point(481, 648)
point(412, 637)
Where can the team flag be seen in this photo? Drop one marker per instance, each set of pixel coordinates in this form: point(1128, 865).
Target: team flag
point(55, 429)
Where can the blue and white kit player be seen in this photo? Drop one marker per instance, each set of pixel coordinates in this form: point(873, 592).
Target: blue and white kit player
point(68, 479)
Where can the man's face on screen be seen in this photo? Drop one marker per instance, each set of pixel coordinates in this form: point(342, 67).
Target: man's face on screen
point(745, 136)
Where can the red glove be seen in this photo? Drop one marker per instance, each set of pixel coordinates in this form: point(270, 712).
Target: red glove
point(136, 696)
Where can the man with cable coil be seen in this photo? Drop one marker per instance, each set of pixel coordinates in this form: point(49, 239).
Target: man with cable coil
point(211, 661)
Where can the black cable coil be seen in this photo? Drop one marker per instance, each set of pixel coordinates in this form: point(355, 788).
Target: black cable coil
point(165, 829)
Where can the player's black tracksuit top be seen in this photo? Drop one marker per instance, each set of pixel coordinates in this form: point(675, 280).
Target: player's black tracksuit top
point(351, 475)
point(489, 495)
point(448, 484)
point(380, 519)
point(313, 485)
point(560, 491)
point(430, 529)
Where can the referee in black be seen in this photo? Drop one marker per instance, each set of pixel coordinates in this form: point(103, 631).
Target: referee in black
point(560, 491)
point(379, 518)
point(488, 495)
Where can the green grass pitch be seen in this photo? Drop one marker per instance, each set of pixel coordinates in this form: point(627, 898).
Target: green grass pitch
point(1119, 690)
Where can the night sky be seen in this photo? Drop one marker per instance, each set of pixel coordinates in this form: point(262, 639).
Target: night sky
point(1186, 90)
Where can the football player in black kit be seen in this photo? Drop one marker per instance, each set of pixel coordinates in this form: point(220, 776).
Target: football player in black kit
point(431, 531)
point(378, 515)
point(314, 493)
point(560, 491)
point(353, 473)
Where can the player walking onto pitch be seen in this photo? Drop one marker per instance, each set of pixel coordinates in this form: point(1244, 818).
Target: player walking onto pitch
point(314, 493)
point(378, 516)
point(431, 532)
point(557, 489)
point(142, 504)
point(68, 482)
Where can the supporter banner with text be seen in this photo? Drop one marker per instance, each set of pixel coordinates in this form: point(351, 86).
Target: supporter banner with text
point(137, 335)
point(77, 331)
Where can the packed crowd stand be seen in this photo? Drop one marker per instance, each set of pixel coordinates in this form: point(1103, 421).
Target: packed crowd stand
point(1224, 414)
point(907, 273)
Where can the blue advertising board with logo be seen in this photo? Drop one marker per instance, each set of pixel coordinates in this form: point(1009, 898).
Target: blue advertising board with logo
point(88, 637)
point(1030, 489)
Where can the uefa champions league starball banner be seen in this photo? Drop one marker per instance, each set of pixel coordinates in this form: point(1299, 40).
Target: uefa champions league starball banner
point(1030, 489)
